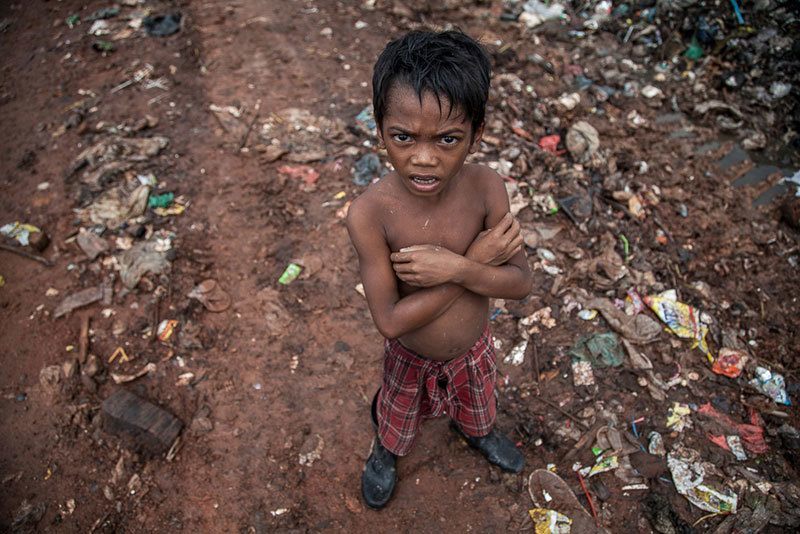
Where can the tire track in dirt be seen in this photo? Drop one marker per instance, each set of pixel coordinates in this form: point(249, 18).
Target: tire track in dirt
point(277, 54)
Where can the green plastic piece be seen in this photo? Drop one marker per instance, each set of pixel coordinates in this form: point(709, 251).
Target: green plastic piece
point(104, 46)
point(597, 451)
point(694, 51)
point(160, 201)
point(290, 274)
point(73, 20)
point(601, 350)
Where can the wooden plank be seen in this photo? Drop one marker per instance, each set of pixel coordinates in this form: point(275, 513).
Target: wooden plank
point(143, 425)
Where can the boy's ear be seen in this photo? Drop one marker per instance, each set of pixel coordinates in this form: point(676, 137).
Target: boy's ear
point(381, 144)
point(476, 139)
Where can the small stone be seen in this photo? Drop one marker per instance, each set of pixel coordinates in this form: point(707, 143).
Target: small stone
point(50, 378)
point(92, 366)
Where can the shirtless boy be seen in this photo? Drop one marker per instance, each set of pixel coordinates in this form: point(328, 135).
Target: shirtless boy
point(435, 241)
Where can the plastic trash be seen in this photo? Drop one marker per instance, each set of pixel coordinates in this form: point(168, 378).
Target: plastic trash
point(582, 140)
point(366, 169)
point(722, 427)
point(365, 121)
point(688, 478)
point(729, 362)
point(290, 274)
point(517, 354)
point(771, 384)
point(678, 417)
point(601, 350)
point(162, 25)
point(683, 320)
point(655, 445)
point(19, 231)
point(536, 12)
point(549, 143)
point(582, 374)
point(546, 521)
point(160, 201)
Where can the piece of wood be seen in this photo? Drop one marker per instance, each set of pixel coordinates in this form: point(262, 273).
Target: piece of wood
point(563, 412)
point(83, 341)
point(145, 426)
point(26, 254)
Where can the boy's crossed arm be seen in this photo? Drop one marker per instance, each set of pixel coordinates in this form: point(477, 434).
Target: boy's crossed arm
point(504, 276)
point(395, 316)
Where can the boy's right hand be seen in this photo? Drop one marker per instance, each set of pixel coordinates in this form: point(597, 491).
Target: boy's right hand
point(497, 245)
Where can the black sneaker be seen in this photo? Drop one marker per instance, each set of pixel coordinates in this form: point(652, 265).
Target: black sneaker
point(379, 477)
point(497, 449)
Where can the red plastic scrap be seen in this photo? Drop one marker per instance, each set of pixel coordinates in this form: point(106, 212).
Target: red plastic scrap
point(308, 174)
point(752, 434)
point(729, 362)
point(549, 143)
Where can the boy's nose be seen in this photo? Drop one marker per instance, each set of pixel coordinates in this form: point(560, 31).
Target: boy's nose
point(424, 157)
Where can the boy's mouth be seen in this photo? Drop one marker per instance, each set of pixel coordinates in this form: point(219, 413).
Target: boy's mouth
point(424, 182)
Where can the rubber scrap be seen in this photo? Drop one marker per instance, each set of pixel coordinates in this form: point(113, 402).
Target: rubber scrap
point(143, 425)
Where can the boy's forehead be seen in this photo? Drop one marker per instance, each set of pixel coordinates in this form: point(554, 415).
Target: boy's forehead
point(404, 103)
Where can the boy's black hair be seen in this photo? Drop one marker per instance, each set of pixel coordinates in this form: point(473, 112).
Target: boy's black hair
point(450, 64)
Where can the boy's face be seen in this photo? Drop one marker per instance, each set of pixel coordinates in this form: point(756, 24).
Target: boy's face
point(426, 146)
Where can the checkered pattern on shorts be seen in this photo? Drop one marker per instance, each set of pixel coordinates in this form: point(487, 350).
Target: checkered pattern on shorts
point(415, 387)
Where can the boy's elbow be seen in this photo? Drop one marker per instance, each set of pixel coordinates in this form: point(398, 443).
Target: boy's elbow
point(524, 288)
point(388, 329)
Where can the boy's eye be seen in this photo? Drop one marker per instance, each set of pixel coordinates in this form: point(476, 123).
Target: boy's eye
point(449, 140)
point(402, 138)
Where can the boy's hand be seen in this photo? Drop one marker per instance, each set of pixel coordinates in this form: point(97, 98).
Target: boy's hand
point(424, 265)
point(497, 245)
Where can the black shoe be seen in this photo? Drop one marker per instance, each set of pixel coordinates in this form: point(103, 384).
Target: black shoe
point(379, 477)
point(497, 449)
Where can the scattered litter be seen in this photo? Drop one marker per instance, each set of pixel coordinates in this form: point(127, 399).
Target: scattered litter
point(729, 362)
point(290, 274)
point(91, 244)
point(366, 169)
point(688, 478)
point(546, 521)
point(517, 354)
point(683, 320)
point(162, 25)
point(19, 231)
point(144, 257)
point(582, 374)
point(771, 384)
point(582, 141)
point(166, 328)
point(601, 350)
point(120, 378)
point(211, 295)
point(79, 300)
point(678, 417)
point(655, 445)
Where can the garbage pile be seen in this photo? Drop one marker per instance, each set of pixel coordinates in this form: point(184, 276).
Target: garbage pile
point(740, 62)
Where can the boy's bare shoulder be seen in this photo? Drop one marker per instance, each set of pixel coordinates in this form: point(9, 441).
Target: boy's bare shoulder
point(372, 203)
point(483, 179)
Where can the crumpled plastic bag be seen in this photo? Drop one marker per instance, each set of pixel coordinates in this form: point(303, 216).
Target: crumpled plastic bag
point(144, 257)
point(751, 434)
point(635, 328)
point(688, 478)
point(772, 385)
point(601, 350)
point(582, 141)
point(683, 320)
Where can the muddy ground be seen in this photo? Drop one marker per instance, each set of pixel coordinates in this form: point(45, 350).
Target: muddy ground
point(274, 389)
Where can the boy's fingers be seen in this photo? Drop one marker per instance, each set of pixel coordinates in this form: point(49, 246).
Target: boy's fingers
point(400, 257)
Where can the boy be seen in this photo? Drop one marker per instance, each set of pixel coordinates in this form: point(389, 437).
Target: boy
point(427, 261)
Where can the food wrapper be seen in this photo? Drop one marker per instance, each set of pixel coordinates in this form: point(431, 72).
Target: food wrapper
point(602, 464)
point(582, 373)
point(678, 416)
point(290, 274)
point(688, 479)
point(166, 328)
point(772, 385)
point(683, 320)
point(729, 362)
point(546, 521)
point(19, 231)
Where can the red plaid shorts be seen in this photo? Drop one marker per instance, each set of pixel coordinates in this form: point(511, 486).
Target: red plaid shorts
point(415, 388)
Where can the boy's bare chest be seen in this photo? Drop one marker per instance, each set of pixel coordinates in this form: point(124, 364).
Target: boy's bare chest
point(454, 226)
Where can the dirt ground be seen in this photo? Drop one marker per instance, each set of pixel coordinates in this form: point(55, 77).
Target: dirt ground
point(274, 391)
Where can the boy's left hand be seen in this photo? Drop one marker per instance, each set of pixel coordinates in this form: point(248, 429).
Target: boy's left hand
point(424, 265)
